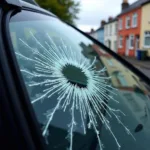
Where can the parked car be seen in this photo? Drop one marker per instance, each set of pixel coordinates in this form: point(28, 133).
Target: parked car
point(61, 89)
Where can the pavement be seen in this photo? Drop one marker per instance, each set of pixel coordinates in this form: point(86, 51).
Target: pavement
point(138, 63)
point(142, 65)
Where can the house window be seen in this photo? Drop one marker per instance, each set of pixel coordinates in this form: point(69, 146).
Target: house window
point(115, 46)
point(116, 28)
point(110, 29)
point(147, 39)
point(120, 41)
point(134, 20)
point(122, 79)
point(120, 24)
point(127, 22)
point(110, 63)
point(131, 41)
point(105, 30)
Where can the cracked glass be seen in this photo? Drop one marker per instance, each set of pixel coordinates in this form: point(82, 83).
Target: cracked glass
point(83, 98)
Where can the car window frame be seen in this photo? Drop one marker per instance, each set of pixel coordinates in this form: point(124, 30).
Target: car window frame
point(7, 121)
point(30, 116)
point(21, 104)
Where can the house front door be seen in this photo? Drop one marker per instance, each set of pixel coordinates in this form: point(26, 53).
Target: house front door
point(109, 44)
point(127, 47)
point(137, 43)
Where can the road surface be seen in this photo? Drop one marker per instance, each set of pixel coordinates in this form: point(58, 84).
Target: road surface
point(146, 71)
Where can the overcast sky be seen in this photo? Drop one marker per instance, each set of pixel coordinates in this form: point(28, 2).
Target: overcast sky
point(93, 11)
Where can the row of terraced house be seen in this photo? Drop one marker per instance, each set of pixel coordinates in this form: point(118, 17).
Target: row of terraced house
point(129, 31)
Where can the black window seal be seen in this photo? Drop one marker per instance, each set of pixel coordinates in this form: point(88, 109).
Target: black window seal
point(23, 98)
point(38, 11)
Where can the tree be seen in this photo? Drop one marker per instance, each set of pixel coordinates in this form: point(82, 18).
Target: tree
point(66, 10)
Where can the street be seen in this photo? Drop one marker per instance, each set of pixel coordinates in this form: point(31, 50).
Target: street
point(146, 71)
point(143, 66)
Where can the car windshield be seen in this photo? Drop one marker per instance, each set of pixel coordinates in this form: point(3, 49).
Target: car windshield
point(83, 98)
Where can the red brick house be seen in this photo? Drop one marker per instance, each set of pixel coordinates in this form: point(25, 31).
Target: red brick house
point(129, 25)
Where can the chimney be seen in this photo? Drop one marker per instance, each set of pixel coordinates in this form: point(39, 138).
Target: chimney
point(125, 4)
point(92, 30)
point(103, 22)
point(110, 19)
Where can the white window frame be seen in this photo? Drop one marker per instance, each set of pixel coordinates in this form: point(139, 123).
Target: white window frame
point(130, 38)
point(120, 24)
point(148, 35)
point(120, 43)
point(110, 30)
point(115, 45)
point(108, 33)
point(116, 28)
point(134, 24)
point(128, 19)
point(106, 30)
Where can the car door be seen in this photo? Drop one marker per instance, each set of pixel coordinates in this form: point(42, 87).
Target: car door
point(16, 127)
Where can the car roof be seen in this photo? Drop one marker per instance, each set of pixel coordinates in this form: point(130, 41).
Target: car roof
point(36, 8)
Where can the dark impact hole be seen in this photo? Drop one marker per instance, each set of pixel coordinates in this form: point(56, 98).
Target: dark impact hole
point(75, 76)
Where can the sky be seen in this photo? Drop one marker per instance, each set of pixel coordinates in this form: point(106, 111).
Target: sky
point(93, 11)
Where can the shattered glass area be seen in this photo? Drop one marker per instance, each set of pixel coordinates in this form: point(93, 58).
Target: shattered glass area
point(77, 85)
